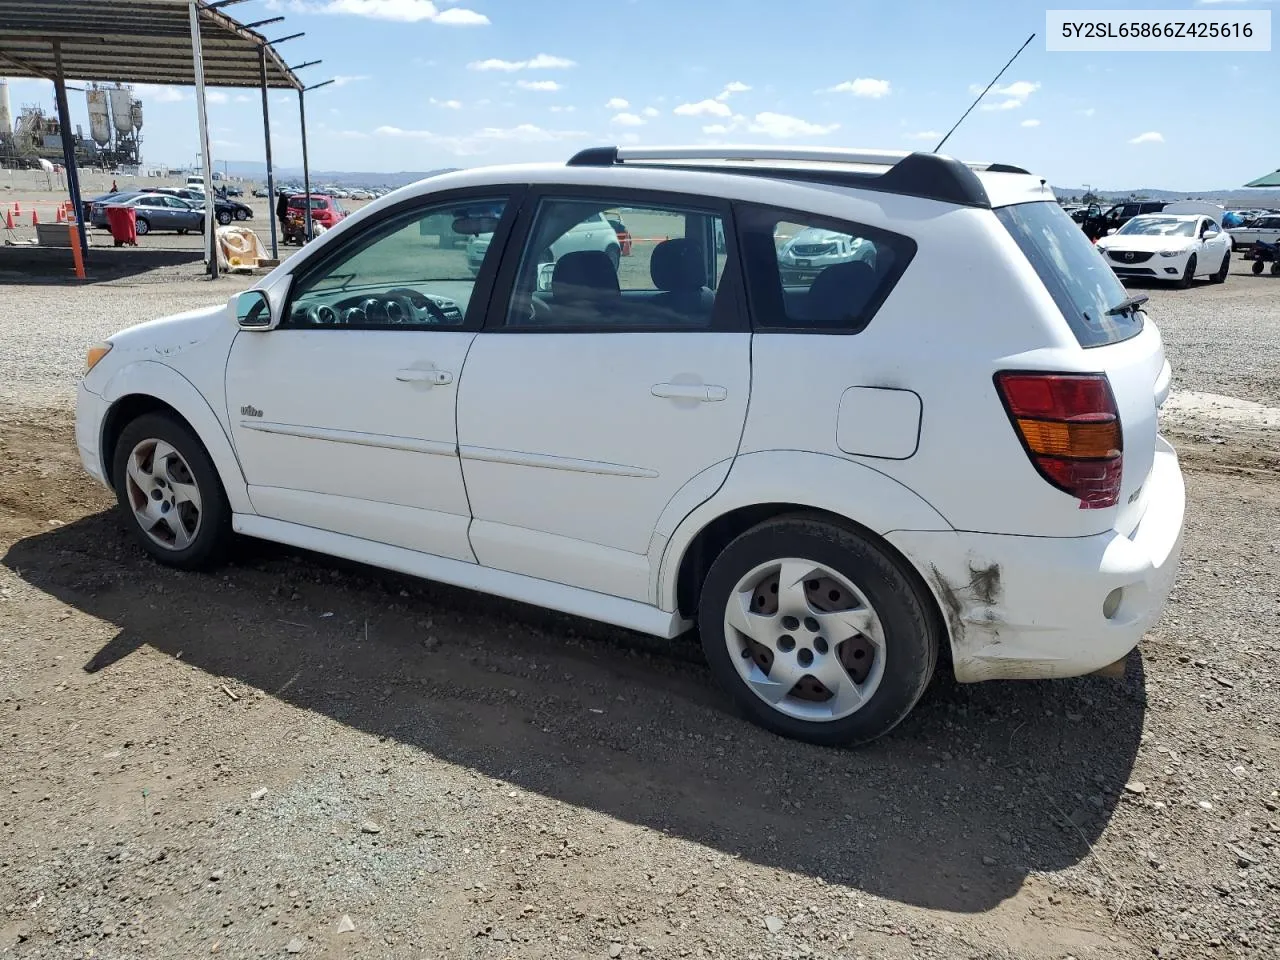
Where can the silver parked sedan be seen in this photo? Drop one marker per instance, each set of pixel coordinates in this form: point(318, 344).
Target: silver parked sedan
point(158, 211)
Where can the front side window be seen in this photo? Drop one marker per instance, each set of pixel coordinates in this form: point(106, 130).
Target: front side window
point(810, 274)
point(396, 274)
point(575, 273)
point(1210, 229)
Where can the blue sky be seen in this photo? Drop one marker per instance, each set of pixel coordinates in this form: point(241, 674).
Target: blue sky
point(464, 82)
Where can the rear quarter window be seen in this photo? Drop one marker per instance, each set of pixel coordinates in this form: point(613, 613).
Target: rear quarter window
point(1082, 285)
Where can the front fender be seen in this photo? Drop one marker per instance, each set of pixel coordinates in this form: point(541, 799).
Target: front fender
point(151, 379)
point(815, 481)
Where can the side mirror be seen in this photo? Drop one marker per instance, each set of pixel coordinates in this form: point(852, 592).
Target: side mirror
point(253, 311)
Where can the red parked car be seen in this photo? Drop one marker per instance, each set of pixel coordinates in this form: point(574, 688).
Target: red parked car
point(324, 208)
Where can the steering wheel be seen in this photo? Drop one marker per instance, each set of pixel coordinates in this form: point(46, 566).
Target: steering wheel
point(415, 301)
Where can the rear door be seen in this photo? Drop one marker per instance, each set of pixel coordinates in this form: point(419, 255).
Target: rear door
point(601, 386)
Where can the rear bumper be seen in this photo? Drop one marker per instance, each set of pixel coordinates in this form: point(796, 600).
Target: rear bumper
point(1037, 607)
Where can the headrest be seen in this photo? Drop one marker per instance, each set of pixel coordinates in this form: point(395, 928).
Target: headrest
point(678, 265)
point(584, 275)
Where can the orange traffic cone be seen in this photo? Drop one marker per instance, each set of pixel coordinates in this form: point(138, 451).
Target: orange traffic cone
point(34, 219)
point(61, 216)
point(8, 219)
point(17, 209)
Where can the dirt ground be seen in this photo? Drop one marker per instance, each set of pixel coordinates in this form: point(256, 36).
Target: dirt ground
point(300, 756)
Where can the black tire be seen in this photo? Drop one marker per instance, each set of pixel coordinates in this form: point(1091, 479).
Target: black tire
point(1275, 268)
point(615, 256)
point(224, 217)
point(1189, 274)
point(242, 215)
point(182, 231)
point(143, 226)
point(1221, 275)
point(1257, 268)
point(213, 535)
point(911, 632)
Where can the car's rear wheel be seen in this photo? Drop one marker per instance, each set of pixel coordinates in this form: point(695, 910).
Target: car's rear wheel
point(242, 214)
point(1189, 274)
point(1221, 275)
point(170, 492)
point(142, 226)
point(816, 632)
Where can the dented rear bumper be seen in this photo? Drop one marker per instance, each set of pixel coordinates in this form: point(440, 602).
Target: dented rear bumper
point(1041, 607)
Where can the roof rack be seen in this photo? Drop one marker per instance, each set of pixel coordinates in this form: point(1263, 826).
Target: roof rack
point(928, 175)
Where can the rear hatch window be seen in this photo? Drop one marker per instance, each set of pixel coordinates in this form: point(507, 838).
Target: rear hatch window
point(1085, 289)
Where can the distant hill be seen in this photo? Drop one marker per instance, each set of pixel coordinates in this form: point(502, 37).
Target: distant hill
point(257, 171)
point(1237, 197)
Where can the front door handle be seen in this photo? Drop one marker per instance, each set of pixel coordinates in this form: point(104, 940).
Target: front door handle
point(703, 392)
point(436, 378)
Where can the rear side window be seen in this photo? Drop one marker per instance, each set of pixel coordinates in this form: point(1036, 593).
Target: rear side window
point(812, 274)
point(1079, 280)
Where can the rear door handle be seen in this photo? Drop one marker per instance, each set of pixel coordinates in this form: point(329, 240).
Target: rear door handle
point(703, 392)
point(436, 378)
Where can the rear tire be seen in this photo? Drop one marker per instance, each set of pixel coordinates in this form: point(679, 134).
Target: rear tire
point(1221, 275)
point(1257, 268)
point(242, 215)
point(170, 492)
point(845, 630)
point(1189, 274)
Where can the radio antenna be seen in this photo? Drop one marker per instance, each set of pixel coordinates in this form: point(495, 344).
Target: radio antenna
point(983, 93)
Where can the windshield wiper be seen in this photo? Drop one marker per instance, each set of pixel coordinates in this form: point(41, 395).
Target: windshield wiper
point(1128, 305)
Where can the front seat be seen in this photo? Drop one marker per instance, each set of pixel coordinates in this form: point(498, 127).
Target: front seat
point(839, 295)
point(679, 269)
point(584, 285)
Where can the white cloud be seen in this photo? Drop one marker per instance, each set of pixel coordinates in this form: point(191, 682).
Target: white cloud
point(730, 88)
point(868, 87)
point(544, 86)
point(162, 93)
point(1030, 123)
point(403, 11)
point(651, 112)
point(924, 135)
point(1015, 94)
point(617, 103)
point(1151, 136)
point(475, 142)
point(715, 128)
point(627, 120)
point(342, 79)
point(782, 127)
point(543, 61)
point(243, 98)
point(447, 104)
point(703, 108)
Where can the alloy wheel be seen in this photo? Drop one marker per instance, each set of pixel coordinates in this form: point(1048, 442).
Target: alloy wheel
point(163, 494)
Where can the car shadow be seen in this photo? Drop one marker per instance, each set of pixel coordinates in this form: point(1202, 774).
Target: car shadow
point(979, 787)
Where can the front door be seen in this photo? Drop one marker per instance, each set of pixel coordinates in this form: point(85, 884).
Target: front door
point(600, 387)
point(344, 416)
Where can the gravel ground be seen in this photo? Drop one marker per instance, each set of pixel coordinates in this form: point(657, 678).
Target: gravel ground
point(298, 756)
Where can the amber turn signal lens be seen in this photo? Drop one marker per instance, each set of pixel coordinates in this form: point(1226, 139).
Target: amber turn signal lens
point(96, 353)
point(1090, 441)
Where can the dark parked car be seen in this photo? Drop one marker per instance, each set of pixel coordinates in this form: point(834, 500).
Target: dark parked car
point(224, 210)
point(1098, 225)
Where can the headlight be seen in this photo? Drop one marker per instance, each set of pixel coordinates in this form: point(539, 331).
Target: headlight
point(1172, 253)
point(95, 354)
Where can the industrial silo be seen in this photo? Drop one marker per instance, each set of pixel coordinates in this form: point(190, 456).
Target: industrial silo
point(121, 109)
point(99, 118)
point(135, 114)
point(6, 116)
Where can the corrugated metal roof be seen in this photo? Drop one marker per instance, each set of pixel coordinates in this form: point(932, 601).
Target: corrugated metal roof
point(132, 41)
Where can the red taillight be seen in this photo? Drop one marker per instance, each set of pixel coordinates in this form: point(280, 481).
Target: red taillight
point(1070, 427)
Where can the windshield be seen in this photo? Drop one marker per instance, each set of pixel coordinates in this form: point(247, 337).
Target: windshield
point(1159, 227)
point(1073, 271)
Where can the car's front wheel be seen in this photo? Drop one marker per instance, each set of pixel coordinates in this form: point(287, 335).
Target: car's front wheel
point(142, 226)
point(1189, 274)
point(816, 632)
point(1221, 275)
point(224, 217)
point(170, 492)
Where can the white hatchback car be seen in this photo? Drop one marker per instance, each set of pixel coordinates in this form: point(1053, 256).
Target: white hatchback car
point(949, 445)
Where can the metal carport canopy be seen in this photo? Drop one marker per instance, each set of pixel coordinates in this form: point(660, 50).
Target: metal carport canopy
point(133, 41)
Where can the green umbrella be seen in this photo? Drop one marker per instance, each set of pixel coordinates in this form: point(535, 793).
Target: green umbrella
point(1269, 180)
